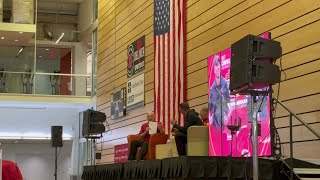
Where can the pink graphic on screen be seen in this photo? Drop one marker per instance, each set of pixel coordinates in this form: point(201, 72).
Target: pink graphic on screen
point(225, 108)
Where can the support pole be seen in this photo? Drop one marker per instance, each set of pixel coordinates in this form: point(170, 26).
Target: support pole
point(291, 148)
point(56, 163)
point(255, 138)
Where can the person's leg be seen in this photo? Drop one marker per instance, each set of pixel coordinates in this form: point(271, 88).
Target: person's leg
point(143, 150)
point(174, 147)
point(181, 141)
point(133, 149)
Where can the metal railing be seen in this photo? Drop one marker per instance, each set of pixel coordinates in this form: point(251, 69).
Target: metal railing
point(292, 114)
point(46, 83)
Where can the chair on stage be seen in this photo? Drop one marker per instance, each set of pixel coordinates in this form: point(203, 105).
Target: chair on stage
point(198, 141)
point(155, 139)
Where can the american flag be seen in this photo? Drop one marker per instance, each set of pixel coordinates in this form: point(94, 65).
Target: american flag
point(169, 60)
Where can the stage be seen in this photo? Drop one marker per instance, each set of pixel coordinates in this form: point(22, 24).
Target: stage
point(186, 167)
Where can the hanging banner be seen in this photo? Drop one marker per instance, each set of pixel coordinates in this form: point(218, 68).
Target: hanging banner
point(135, 92)
point(118, 104)
point(136, 56)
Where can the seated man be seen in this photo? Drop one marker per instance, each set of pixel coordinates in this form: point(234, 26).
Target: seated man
point(204, 116)
point(145, 137)
point(180, 132)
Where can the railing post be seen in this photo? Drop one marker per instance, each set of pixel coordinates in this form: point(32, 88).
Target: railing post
point(291, 149)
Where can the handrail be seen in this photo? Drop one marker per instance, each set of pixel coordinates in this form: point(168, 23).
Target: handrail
point(285, 163)
point(302, 121)
point(291, 133)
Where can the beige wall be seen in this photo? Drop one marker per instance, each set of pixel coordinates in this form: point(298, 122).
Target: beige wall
point(212, 26)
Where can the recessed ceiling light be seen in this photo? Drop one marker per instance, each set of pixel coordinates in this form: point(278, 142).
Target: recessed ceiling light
point(20, 32)
point(47, 49)
point(16, 40)
point(2, 37)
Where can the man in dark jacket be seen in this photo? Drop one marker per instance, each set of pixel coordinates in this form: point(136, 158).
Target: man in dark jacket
point(219, 96)
point(180, 132)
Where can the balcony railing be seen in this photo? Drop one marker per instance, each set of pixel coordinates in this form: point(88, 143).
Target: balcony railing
point(46, 83)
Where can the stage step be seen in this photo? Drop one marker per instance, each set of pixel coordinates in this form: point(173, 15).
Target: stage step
point(303, 169)
point(308, 173)
point(314, 161)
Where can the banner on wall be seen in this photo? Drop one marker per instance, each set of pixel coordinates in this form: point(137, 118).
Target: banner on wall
point(136, 56)
point(121, 153)
point(118, 105)
point(135, 92)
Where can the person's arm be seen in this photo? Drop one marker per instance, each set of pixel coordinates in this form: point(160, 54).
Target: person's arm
point(226, 91)
point(193, 119)
point(184, 128)
point(160, 127)
point(143, 132)
point(211, 100)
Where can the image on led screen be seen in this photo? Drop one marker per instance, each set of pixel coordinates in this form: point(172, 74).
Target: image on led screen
point(226, 109)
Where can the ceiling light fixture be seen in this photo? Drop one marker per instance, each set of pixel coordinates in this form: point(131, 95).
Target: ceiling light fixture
point(20, 51)
point(16, 40)
point(2, 37)
point(47, 49)
point(20, 32)
point(61, 36)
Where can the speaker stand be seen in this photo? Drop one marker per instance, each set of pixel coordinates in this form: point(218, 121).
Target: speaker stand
point(254, 130)
point(56, 163)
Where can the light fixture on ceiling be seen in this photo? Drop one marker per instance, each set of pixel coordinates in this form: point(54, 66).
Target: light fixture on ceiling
point(20, 32)
point(31, 136)
point(20, 51)
point(16, 40)
point(61, 36)
point(47, 49)
point(2, 37)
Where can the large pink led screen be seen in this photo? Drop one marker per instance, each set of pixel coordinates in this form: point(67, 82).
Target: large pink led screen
point(225, 109)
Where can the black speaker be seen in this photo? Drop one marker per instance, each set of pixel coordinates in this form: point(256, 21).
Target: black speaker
point(98, 155)
point(93, 123)
point(56, 136)
point(252, 63)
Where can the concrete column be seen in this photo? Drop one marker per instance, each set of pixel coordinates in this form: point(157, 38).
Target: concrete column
point(79, 66)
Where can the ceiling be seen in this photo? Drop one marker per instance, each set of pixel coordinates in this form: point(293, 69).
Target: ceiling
point(49, 11)
point(47, 53)
point(15, 38)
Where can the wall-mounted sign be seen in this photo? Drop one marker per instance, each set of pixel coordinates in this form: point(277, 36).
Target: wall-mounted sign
point(135, 92)
point(118, 104)
point(136, 56)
